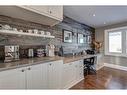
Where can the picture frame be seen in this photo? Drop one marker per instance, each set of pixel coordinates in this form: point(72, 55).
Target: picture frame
point(89, 39)
point(80, 38)
point(67, 36)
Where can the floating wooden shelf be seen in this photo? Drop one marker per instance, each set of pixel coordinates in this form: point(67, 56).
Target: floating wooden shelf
point(25, 34)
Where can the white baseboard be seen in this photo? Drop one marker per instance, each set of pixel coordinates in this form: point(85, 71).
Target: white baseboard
point(73, 83)
point(115, 66)
point(100, 67)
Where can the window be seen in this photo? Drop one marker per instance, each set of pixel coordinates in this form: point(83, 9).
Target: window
point(116, 41)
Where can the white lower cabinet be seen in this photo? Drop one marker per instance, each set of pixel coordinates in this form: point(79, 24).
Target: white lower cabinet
point(44, 76)
point(50, 75)
point(40, 76)
point(72, 73)
point(80, 69)
point(100, 61)
point(13, 79)
point(69, 74)
point(36, 76)
point(55, 74)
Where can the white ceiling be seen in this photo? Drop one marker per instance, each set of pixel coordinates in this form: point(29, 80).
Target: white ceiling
point(103, 14)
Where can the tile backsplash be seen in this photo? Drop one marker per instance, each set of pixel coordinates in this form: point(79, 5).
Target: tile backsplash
point(56, 31)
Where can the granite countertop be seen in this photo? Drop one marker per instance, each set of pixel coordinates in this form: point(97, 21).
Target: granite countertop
point(75, 58)
point(27, 62)
point(41, 60)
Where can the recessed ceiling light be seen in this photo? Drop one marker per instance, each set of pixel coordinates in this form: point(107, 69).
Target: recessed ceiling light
point(94, 15)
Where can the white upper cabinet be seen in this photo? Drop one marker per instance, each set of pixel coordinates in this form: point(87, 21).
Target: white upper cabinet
point(38, 8)
point(55, 12)
point(47, 15)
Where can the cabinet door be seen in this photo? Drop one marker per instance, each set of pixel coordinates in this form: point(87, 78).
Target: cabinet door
point(99, 61)
point(56, 11)
point(81, 69)
point(55, 74)
point(73, 72)
point(51, 11)
point(37, 76)
point(12, 79)
point(69, 74)
point(38, 8)
point(66, 75)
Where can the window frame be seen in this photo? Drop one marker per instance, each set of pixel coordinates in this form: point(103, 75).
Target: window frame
point(124, 40)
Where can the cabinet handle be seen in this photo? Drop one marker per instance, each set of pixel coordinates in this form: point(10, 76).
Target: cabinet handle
point(22, 70)
point(29, 68)
point(80, 61)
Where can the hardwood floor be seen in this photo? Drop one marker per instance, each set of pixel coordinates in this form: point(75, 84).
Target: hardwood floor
point(106, 78)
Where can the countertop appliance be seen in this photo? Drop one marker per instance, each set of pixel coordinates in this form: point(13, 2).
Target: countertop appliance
point(11, 53)
point(30, 53)
point(51, 48)
point(61, 53)
point(41, 52)
point(90, 51)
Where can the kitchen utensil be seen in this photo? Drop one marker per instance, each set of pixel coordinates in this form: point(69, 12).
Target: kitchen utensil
point(41, 52)
point(29, 31)
point(11, 53)
point(51, 50)
point(6, 27)
point(30, 53)
point(42, 32)
point(15, 29)
point(35, 31)
point(20, 30)
point(48, 33)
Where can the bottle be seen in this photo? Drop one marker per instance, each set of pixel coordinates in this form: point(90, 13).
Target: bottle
point(61, 51)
